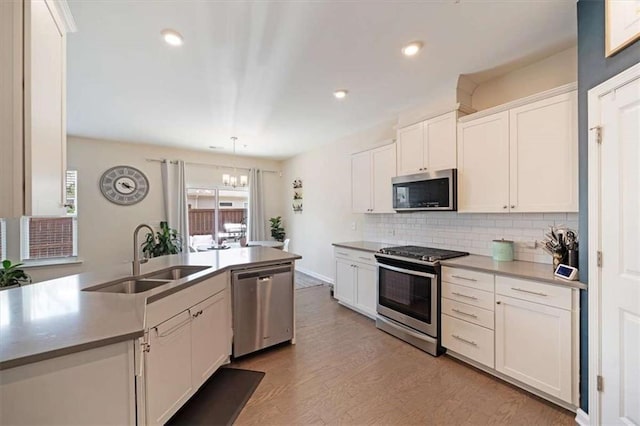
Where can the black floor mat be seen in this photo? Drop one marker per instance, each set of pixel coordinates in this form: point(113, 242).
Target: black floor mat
point(220, 400)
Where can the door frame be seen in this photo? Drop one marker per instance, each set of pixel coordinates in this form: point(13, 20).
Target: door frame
point(595, 232)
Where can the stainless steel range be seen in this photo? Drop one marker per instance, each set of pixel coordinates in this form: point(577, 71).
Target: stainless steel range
point(409, 294)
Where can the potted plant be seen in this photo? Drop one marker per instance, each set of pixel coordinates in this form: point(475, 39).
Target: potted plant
point(277, 230)
point(165, 241)
point(12, 276)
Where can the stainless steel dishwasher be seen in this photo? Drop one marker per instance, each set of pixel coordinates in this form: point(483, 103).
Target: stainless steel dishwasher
point(262, 308)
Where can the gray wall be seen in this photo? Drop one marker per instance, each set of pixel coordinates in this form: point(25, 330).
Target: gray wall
point(593, 69)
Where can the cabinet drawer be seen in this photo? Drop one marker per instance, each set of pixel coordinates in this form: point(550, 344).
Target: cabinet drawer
point(355, 255)
point(483, 317)
point(533, 291)
point(470, 296)
point(468, 339)
point(467, 278)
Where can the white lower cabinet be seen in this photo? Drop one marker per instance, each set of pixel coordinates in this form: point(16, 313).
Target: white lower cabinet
point(534, 345)
point(529, 334)
point(355, 285)
point(168, 368)
point(210, 339)
point(468, 339)
point(181, 351)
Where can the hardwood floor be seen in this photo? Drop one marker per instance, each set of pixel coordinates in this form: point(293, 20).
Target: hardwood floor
point(343, 370)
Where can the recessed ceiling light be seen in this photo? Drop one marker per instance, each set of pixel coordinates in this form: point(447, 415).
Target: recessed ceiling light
point(172, 37)
point(340, 94)
point(412, 48)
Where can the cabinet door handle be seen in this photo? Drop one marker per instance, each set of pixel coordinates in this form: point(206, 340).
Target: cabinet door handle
point(464, 295)
point(471, 342)
point(498, 302)
point(464, 313)
point(463, 278)
point(505, 206)
point(529, 291)
point(513, 206)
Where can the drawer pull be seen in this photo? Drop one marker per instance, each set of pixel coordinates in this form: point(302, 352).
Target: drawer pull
point(364, 258)
point(463, 278)
point(471, 342)
point(464, 295)
point(342, 253)
point(529, 291)
point(464, 313)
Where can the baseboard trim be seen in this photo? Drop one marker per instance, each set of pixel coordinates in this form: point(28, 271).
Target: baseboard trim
point(582, 418)
point(315, 275)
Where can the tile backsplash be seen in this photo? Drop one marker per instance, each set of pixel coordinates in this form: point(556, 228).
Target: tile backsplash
point(468, 232)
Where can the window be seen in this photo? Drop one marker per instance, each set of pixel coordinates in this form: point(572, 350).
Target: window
point(53, 237)
point(3, 239)
point(216, 215)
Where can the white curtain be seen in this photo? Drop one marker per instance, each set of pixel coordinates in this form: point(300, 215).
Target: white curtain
point(175, 199)
point(257, 220)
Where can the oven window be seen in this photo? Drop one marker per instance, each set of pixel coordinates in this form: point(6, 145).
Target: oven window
point(426, 193)
point(405, 293)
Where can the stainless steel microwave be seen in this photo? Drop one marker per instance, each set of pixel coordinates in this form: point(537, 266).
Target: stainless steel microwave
point(426, 191)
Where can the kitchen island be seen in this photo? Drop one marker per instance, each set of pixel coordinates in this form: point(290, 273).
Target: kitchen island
point(58, 337)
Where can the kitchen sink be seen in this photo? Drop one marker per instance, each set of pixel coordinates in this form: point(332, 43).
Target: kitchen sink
point(129, 285)
point(176, 272)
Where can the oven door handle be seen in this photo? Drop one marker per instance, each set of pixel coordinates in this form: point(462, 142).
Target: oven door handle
point(406, 271)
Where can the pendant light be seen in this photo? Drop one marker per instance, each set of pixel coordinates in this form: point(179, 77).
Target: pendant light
point(233, 180)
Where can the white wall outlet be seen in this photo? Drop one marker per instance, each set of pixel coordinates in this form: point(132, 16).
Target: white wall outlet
point(354, 226)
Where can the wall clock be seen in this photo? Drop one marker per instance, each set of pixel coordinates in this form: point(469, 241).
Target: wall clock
point(124, 185)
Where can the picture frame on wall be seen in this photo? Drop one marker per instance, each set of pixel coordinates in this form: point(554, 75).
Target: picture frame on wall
point(622, 24)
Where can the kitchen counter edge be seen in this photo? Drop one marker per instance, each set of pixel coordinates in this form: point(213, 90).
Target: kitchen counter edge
point(153, 296)
point(516, 269)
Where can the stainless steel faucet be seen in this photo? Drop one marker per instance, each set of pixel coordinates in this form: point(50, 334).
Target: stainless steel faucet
point(136, 249)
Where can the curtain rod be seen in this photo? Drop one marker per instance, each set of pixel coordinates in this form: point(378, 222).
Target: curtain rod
point(217, 166)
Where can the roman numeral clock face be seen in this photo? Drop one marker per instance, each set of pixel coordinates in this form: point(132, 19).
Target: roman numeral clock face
point(124, 185)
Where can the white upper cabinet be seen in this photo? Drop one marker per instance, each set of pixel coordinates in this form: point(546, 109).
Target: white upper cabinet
point(483, 164)
point(428, 146)
point(371, 173)
point(521, 159)
point(44, 108)
point(361, 182)
point(411, 150)
point(544, 155)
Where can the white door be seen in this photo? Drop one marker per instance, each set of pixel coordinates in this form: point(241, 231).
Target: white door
point(361, 182)
point(483, 164)
point(619, 281)
point(168, 368)
point(366, 288)
point(345, 281)
point(45, 121)
point(384, 168)
point(440, 142)
point(410, 149)
point(544, 155)
point(210, 337)
point(533, 345)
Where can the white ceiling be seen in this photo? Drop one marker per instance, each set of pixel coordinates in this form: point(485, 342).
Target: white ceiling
point(265, 71)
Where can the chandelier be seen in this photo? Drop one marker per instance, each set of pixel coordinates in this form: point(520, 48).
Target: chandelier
point(234, 180)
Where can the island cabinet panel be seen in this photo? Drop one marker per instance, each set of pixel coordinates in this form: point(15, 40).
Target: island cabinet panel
point(92, 387)
point(183, 351)
point(210, 340)
point(168, 368)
